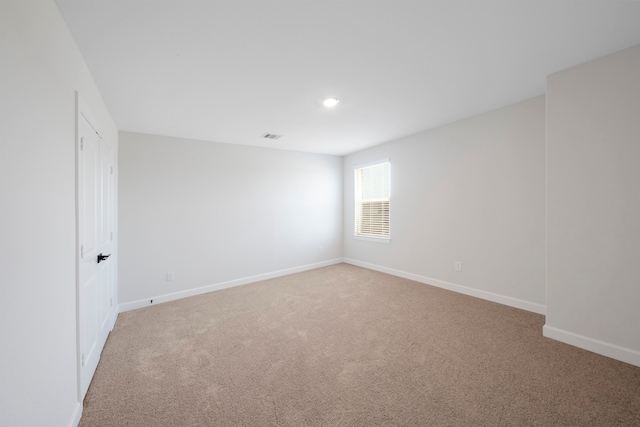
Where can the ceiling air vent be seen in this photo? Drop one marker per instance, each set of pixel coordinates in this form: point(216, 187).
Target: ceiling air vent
point(271, 136)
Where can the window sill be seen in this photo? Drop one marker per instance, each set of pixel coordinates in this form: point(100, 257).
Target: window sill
point(373, 239)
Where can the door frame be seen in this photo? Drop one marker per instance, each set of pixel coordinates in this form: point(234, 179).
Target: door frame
point(82, 110)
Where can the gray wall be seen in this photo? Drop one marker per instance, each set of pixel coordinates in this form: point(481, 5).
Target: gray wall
point(217, 213)
point(593, 205)
point(40, 72)
point(471, 191)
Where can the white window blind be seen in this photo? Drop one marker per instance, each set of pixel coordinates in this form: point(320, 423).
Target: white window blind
point(372, 200)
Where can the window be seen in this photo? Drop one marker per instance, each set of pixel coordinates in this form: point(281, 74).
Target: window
point(372, 200)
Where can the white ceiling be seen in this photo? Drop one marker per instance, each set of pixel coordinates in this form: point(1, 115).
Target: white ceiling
point(229, 71)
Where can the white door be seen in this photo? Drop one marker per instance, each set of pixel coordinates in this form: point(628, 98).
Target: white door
point(95, 234)
point(105, 237)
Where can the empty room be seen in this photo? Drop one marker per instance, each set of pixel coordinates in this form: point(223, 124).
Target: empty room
point(319, 213)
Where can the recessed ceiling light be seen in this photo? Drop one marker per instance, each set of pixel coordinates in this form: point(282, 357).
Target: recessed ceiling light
point(330, 102)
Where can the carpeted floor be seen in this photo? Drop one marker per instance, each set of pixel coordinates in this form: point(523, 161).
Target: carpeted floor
point(346, 346)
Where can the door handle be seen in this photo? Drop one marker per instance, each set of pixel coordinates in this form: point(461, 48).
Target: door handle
point(102, 257)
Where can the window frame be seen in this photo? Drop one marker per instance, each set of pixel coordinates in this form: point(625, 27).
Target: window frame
point(358, 199)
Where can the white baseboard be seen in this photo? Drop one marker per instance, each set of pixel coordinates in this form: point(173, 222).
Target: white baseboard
point(77, 414)
point(224, 285)
point(501, 299)
point(600, 347)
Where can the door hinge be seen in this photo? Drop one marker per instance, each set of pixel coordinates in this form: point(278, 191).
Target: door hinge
point(81, 143)
point(112, 235)
point(83, 360)
point(81, 251)
point(110, 302)
point(111, 170)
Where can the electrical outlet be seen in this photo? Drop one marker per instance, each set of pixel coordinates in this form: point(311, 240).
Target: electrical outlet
point(458, 265)
point(171, 276)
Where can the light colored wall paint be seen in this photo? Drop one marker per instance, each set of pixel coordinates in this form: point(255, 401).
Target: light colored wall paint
point(214, 213)
point(471, 191)
point(41, 70)
point(593, 204)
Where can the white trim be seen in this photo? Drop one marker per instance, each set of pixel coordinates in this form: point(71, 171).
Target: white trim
point(373, 239)
point(80, 108)
point(603, 348)
point(490, 296)
point(224, 285)
point(77, 414)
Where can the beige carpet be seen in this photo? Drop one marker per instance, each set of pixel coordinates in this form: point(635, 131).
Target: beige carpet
point(346, 346)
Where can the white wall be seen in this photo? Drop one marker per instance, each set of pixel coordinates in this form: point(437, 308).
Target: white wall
point(593, 205)
point(40, 72)
point(471, 191)
point(215, 213)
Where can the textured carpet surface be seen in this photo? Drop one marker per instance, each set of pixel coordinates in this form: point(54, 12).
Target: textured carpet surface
point(346, 346)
